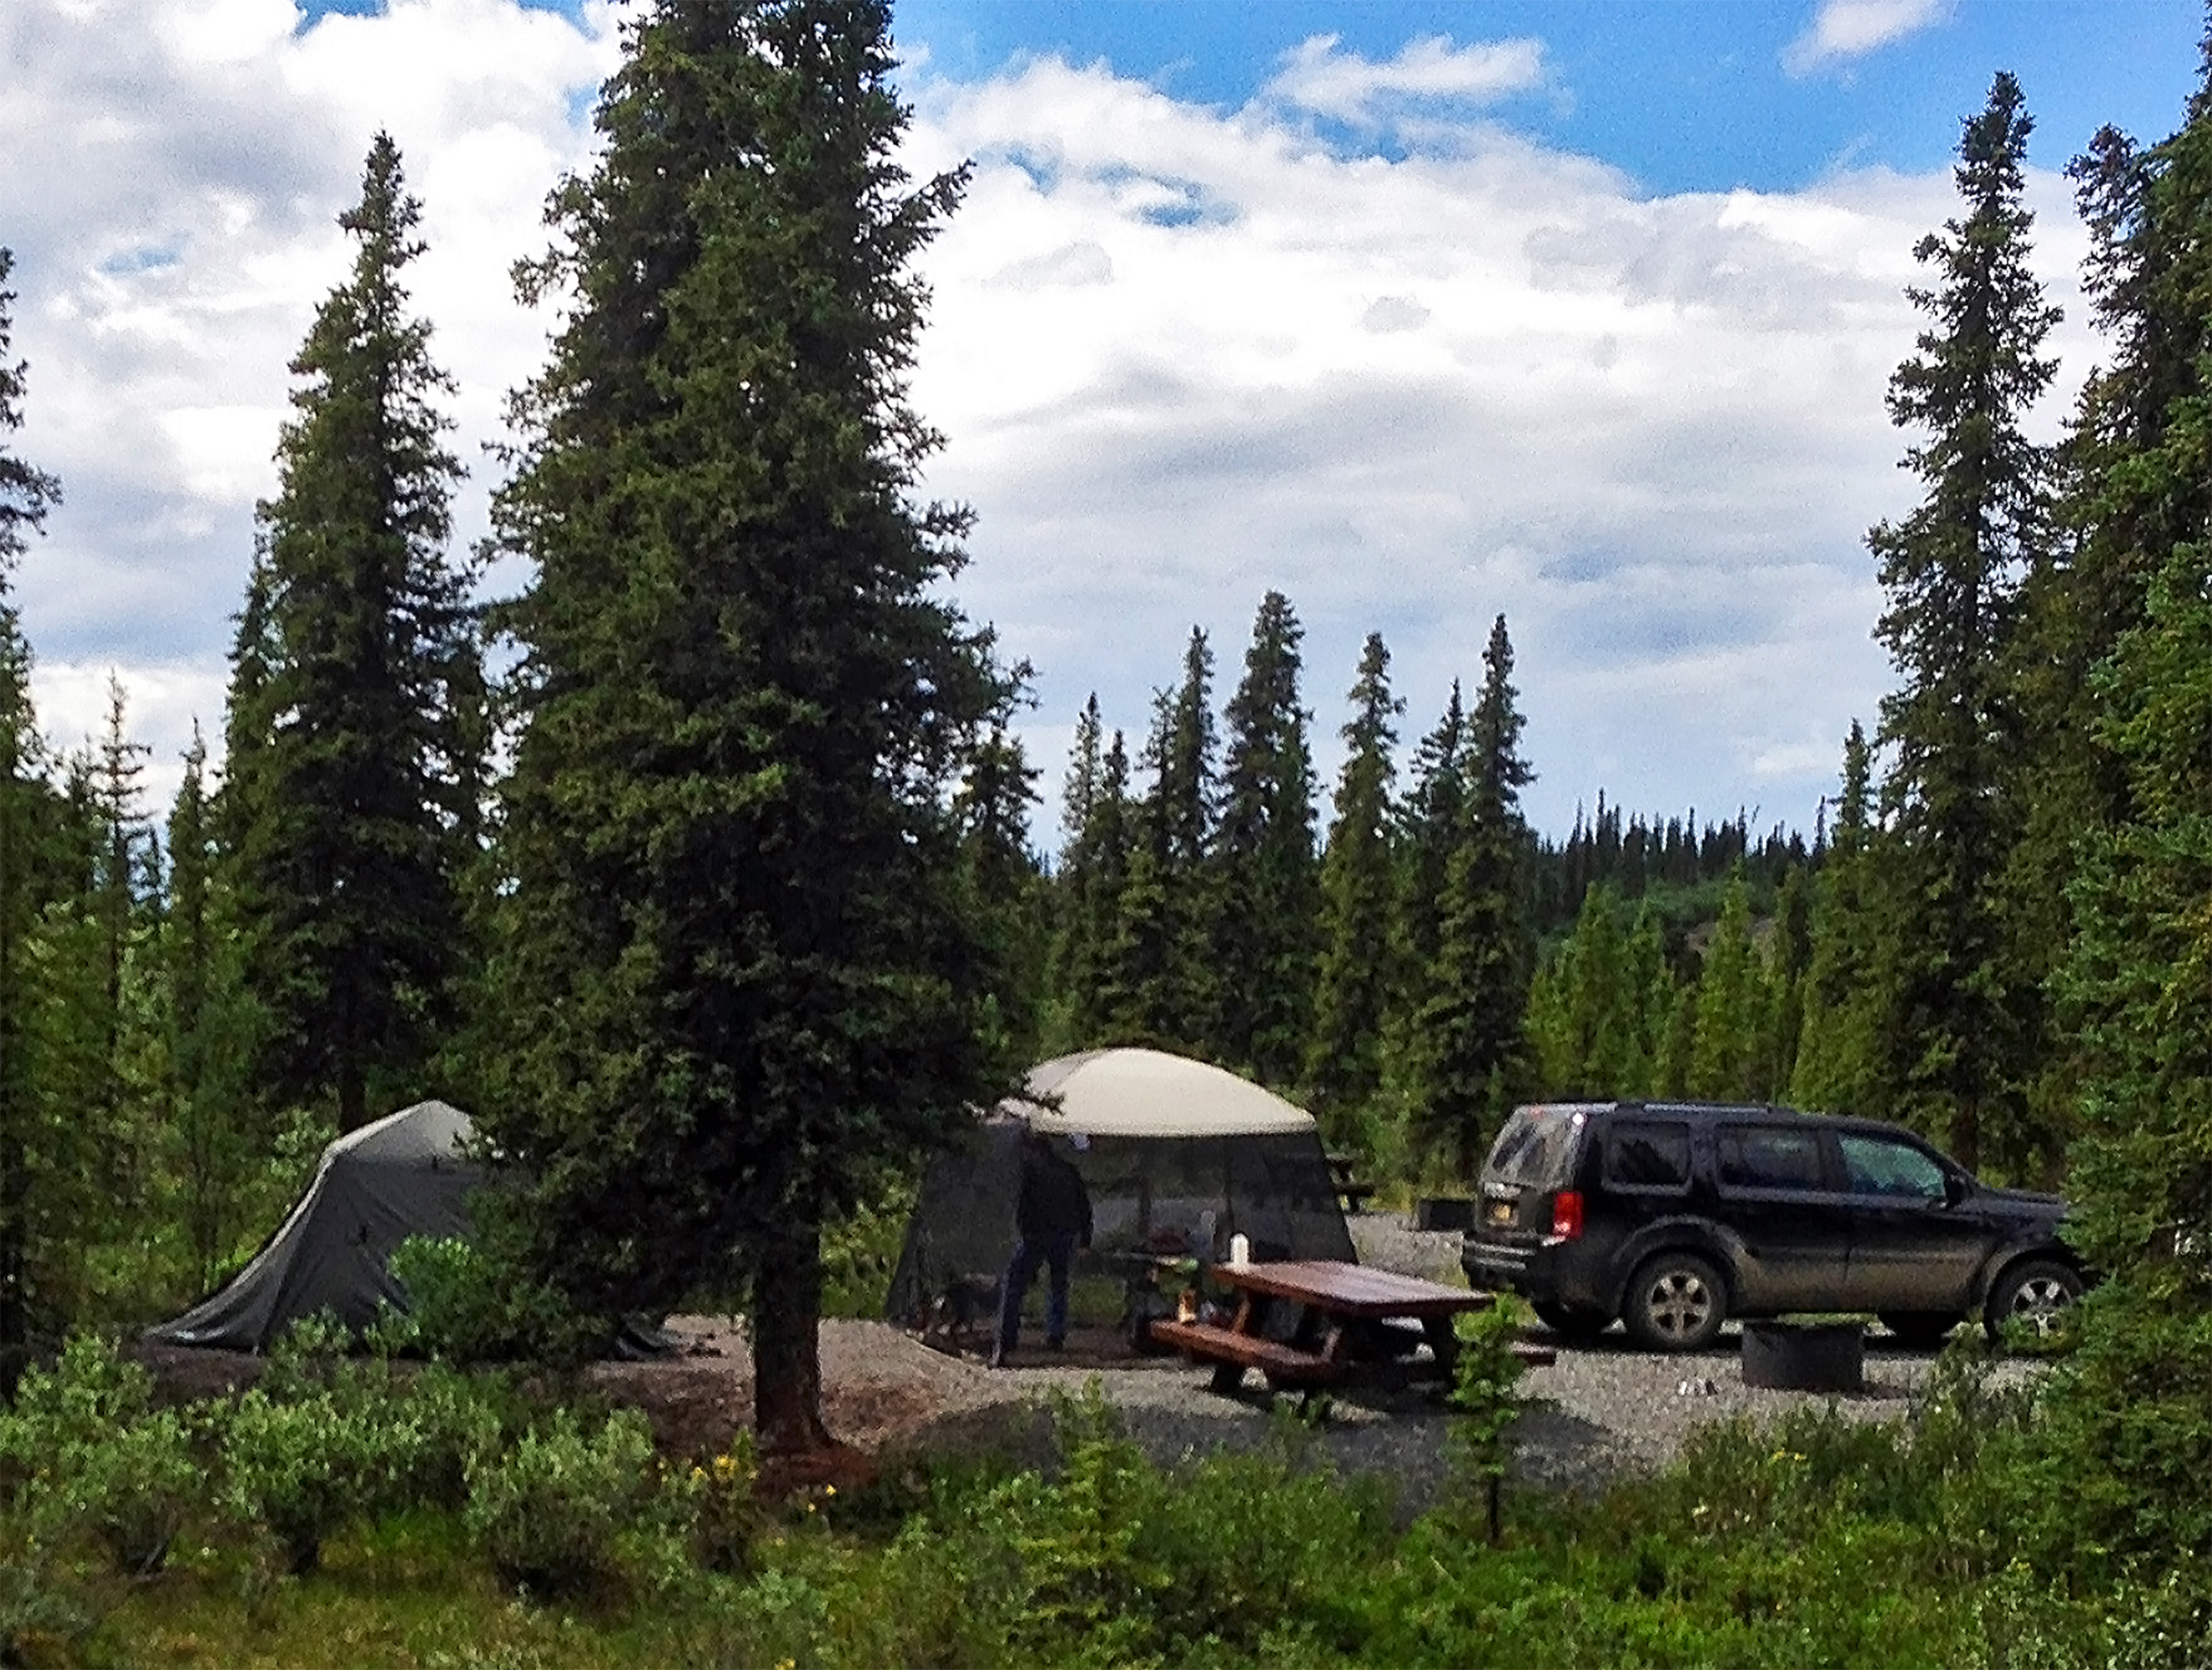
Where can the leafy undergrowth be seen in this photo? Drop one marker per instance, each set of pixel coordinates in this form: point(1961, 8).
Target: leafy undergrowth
point(1817, 1540)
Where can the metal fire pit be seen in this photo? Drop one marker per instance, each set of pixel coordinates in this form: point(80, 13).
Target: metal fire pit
point(1805, 1356)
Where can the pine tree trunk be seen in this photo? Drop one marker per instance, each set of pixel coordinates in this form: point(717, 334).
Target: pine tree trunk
point(787, 1327)
point(352, 1097)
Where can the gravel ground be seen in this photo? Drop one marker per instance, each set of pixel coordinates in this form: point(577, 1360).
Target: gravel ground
point(1601, 1410)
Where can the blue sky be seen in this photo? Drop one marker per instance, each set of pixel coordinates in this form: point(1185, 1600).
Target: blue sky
point(1686, 96)
point(1581, 312)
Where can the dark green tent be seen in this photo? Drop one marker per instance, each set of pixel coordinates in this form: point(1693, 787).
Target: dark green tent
point(406, 1175)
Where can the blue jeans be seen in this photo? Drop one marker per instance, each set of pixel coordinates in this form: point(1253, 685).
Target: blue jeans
point(1056, 1251)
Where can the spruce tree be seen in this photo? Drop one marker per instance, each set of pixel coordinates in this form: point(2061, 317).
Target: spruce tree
point(739, 964)
point(1428, 831)
point(1952, 570)
point(1164, 989)
point(1469, 1051)
point(26, 818)
point(1842, 1054)
point(1095, 890)
point(350, 775)
point(1005, 886)
point(1727, 1056)
point(1344, 1062)
point(1078, 797)
point(217, 1145)
point(2127, 1439)
point(1584, 1015)
point(1267, 899)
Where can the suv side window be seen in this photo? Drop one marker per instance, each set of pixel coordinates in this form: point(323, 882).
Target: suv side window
point(1770, 1156)
point(1875, 1165)
point(1647, 1154)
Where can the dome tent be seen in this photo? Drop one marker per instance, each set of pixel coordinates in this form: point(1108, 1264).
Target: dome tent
point(1178, 1156)
point(406, 1175)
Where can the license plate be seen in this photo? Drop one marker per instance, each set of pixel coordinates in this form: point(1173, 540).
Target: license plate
point(1501, 1212)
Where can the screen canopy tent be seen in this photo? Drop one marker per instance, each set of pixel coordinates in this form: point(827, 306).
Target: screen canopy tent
point(1178, 1156)
point(406, 1175)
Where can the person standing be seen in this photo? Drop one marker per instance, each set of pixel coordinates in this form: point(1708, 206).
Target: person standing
point(1052, 1220)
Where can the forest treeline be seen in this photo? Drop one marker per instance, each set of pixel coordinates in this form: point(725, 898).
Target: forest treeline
point(723, 904)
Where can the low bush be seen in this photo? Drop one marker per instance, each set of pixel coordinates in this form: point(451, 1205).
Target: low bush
point(467, 1305)
point(89, 1456)
point(299, 1469)
point(567, 1513)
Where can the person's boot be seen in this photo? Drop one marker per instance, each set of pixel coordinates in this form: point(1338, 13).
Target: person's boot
point(1001, 1354)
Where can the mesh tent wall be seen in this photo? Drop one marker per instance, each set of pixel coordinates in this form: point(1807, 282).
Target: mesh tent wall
point(405, 1174)
point(1178, 1156)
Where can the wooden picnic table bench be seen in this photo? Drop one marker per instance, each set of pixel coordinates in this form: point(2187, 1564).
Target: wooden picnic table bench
point(1333, 1300)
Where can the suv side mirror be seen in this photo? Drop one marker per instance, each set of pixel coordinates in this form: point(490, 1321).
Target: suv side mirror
point(1955, 1188)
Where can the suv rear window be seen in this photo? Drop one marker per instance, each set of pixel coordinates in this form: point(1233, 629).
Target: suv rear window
point(1536, 1149)
point(1770, 1156)
point(1643, 1154)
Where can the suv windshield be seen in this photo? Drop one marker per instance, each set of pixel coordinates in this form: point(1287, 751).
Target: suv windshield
point(1536, 1148)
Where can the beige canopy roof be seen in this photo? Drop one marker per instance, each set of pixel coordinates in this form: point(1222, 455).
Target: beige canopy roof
point(1149, 1093)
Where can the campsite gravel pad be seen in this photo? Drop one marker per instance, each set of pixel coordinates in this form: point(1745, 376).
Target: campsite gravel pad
point(1598, 1410)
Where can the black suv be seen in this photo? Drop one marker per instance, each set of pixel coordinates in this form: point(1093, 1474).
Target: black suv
point(1673, 1216)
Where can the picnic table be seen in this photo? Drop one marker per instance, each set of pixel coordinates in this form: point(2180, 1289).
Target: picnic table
point(1340, 1306)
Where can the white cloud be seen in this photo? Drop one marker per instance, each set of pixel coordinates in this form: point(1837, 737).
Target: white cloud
point(1183, 356)
point(1348, 88)
point(1414, 393)
point(171, 191)
point(1843, 29)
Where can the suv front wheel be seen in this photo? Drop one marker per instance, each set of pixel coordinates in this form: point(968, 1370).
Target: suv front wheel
point(2033, 1292)
point(1676, 1303)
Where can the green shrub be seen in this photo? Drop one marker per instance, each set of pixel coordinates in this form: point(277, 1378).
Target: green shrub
point(1486, 1404)
point(299, 1469)
point(88, 1454)
point(467, 1305)
point(565, 1513)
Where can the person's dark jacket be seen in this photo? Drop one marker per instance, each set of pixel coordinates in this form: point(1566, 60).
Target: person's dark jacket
point(1053, 1200)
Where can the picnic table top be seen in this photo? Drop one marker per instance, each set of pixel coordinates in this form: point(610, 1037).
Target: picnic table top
point(1351, 1290)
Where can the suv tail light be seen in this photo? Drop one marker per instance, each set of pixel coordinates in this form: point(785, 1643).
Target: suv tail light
point(1567, 1215)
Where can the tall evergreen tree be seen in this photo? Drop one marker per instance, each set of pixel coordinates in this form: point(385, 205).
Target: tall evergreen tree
point(26, 1132)
point(1729, 1055)
point(1167, 992)
point(2129, 1441)
point(1842, 1054)
point(735, 945)
point(2146, 276)
point(1425, 832)
point(1006, 888)
point(1470, 1049)
point(1267, 902)
point(1584, 1012)
point(1952, 570)
point(1344, 1063)
point(214, 1144)
point(1096, 888)
point(350, 774)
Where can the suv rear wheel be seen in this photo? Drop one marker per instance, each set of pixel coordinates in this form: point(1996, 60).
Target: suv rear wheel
point(1676, 1303)
point(2033, 1292)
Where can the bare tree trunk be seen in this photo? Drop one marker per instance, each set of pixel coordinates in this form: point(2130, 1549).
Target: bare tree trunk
point(786, 1329)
